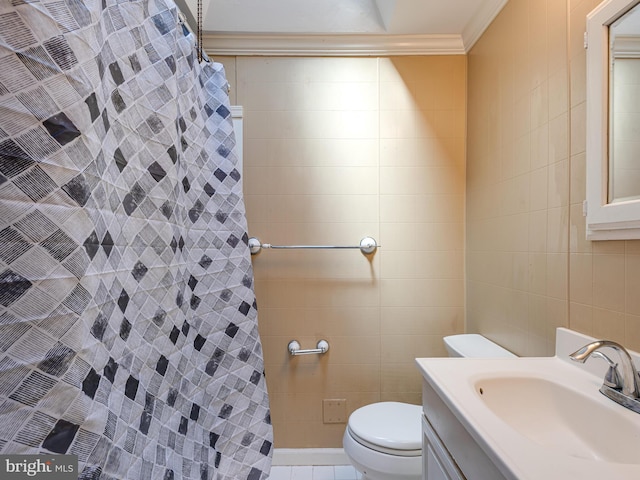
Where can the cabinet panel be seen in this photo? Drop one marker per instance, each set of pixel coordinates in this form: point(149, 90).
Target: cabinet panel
point(438, 464)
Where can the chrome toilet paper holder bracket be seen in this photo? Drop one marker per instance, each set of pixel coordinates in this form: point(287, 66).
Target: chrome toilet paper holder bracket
point(294, 348)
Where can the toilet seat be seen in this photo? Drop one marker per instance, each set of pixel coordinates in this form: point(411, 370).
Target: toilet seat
point(393, 428)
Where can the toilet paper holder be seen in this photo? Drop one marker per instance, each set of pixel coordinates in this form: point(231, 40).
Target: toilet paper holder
point(294, 348)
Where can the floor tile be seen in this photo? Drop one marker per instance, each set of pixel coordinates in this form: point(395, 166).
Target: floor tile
point(301, 473)
point(317, 472)
point(323, 473)
point(280, 473)
point(345, 472)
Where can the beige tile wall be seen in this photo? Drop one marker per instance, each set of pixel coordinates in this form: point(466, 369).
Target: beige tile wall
point(337, 149)
point(529, 267)
point(518, 178)
point(340, 148)
point(605, 276)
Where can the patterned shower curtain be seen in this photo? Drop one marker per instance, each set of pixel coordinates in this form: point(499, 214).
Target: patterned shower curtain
point(128, 323)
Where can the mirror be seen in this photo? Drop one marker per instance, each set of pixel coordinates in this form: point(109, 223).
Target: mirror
point(624, 107)
point(612, 207)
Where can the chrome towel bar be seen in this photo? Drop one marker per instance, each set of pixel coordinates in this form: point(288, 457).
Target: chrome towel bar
point(367, 245)
point(294, 348)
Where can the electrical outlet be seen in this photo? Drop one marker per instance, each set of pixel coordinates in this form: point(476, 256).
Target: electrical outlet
point(334, 410)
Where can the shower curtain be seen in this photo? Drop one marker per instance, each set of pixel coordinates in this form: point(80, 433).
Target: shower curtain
point(128, 323)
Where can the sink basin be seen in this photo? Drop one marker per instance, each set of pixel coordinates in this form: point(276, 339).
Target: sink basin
point(562, 419)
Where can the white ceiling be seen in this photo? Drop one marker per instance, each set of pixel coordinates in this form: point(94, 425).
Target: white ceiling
point(369, 25)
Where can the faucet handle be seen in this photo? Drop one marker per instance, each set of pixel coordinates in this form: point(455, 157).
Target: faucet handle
point(612, 378)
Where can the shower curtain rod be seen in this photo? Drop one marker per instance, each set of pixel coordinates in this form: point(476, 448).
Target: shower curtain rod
point(367, 246)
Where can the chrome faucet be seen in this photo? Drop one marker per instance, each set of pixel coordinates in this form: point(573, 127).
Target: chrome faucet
point(621, 383)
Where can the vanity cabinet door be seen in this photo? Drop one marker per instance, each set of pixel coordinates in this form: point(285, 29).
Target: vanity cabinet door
point(437, 463)
point(434, 470)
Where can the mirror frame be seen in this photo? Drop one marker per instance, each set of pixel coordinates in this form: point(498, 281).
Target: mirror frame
point(604, 221)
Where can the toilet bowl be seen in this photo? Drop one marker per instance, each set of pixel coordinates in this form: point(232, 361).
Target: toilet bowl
point(383, 440)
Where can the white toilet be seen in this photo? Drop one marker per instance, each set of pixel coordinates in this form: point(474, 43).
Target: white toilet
point(383, 441)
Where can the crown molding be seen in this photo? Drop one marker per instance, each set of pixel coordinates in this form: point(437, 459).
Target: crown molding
point(234, 44)
point(626, 46)
point(480, 22)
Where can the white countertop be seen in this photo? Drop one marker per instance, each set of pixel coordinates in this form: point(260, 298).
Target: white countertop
point(516, 455)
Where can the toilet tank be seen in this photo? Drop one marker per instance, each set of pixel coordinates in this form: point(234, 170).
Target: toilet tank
point(473, 345)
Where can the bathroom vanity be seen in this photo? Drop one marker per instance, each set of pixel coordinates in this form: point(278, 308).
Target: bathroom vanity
point(525, 418)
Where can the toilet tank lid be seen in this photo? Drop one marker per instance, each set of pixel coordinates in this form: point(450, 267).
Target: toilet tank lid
point(473, 345)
